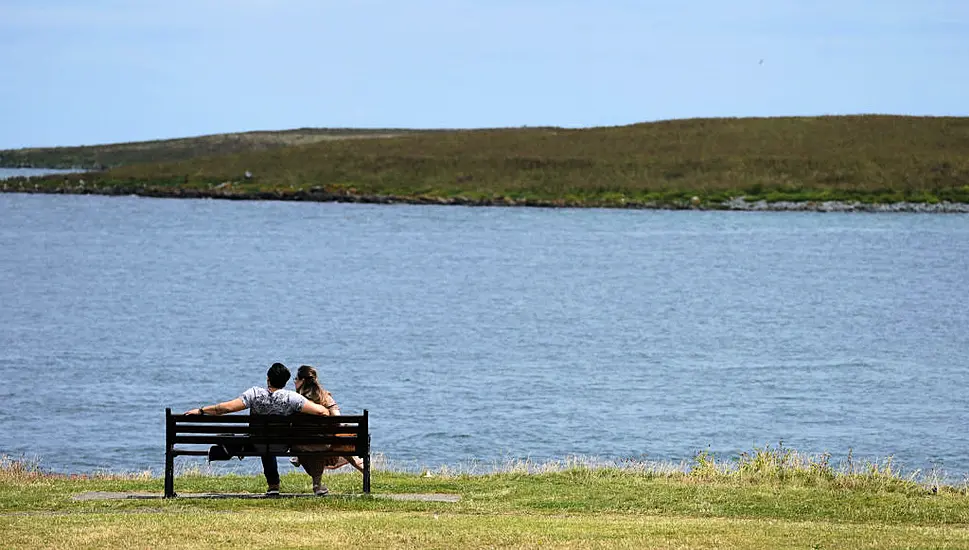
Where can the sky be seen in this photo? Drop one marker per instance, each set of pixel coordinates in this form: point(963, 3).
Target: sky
point(78, 72)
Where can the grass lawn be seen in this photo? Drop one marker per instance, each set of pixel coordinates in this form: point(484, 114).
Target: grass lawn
point(746, 505)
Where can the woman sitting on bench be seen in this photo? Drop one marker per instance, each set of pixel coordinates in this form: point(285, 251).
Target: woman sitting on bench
point(308, 385)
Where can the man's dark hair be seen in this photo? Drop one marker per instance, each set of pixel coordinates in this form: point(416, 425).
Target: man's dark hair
point(278, 376)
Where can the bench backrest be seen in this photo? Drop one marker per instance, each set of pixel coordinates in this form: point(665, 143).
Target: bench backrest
point(349, 435)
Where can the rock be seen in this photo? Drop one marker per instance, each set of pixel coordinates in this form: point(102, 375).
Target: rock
point(738, 203)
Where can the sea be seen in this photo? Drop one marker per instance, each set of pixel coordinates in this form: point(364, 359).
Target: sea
point(478, 337)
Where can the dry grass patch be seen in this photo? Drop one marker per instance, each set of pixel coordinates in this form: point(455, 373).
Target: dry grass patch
point(329, 529)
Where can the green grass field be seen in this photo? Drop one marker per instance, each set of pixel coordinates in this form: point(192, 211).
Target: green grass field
point(770, 499)
point(872, 159)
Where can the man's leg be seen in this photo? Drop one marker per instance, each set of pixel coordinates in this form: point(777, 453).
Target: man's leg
point(271, 470)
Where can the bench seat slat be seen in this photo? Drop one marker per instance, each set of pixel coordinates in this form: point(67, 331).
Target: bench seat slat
point(195, 452)
point(243, 429)
point(285, 434)
point(257, 440)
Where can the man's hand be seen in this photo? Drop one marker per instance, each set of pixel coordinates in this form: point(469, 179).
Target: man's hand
point(235, 405)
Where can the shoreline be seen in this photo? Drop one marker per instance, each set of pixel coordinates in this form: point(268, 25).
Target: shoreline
point(738, 204)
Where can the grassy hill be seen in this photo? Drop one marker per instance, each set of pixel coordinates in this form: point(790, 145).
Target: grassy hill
point(880, 159)
point(99, 157)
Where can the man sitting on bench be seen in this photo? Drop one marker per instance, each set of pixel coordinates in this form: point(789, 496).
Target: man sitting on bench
point(272, 400)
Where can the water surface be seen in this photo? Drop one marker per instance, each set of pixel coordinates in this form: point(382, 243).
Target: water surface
point(487, 333)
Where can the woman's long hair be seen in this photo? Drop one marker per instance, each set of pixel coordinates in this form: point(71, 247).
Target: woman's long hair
point(312, 390)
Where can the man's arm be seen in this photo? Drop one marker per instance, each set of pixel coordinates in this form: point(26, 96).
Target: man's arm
point(312, 408)
point(222, 408)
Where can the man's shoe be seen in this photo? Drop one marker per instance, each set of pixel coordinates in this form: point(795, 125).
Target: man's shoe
point(320, 490)
point(273, 491)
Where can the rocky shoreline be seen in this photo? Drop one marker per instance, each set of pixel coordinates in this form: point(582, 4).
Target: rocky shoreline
point(847, 206)
point(318, 194)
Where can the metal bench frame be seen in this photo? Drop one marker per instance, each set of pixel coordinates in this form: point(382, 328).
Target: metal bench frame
point(258, 435)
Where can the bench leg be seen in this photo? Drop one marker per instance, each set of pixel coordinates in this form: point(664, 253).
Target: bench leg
point(169, 474)
point(366, 473)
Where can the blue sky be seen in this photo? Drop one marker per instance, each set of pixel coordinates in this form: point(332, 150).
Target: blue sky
point(96, 71)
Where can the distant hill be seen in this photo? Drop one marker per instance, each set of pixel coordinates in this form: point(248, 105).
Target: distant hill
point(121, 154)
point(870, 158)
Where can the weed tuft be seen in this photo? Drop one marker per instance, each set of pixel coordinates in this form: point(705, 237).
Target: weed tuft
point(19, 470)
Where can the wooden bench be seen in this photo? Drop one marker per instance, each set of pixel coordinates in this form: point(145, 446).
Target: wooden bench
point(257, 435)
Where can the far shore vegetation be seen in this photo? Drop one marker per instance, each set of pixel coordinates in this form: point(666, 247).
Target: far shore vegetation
point(769, 498)
point(871, 159)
